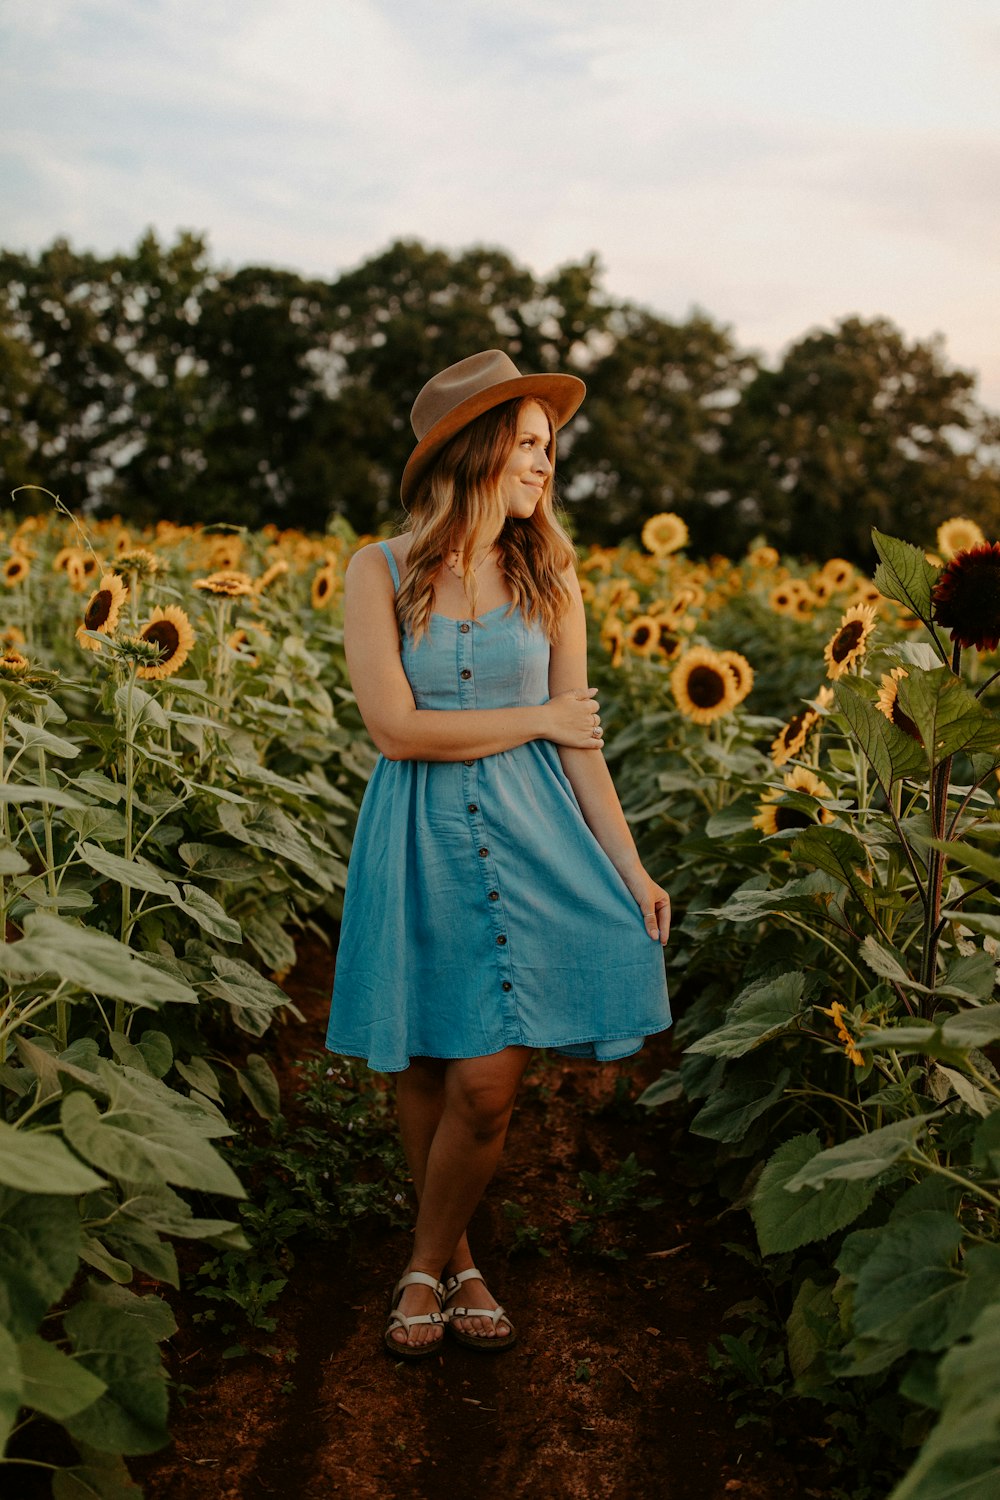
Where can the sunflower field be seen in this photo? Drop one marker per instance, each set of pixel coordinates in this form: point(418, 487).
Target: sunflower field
point(809, 760)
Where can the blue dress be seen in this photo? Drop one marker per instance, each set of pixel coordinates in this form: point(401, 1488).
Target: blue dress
point(480, 911)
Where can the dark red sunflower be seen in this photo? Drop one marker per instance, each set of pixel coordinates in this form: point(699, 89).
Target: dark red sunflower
point(966, 597)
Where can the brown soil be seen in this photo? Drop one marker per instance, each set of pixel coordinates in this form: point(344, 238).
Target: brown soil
point(605, 1394)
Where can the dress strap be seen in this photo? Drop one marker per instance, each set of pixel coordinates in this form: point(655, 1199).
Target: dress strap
point(392, 564)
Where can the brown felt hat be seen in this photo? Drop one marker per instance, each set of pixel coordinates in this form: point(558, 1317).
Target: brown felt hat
point(456, 396)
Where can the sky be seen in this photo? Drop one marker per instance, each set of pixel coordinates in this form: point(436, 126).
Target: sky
point(778, 164)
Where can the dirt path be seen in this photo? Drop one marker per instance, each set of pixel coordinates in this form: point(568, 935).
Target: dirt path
point(604, 1396)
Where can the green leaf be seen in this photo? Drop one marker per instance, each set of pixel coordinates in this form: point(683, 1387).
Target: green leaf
point(743, 1096)
point(970, 976)
point(55, 796)
point(987, 922)
point(904, 574)
point(136, 874)
point(39, 1239)
point(886, 963)
point(750, 903)
point(36, 1163)
point(197, 1072)
point(11, 1386)
point(813, 1314)
point(269, 939)
point(961, 1458)
point(209, 915)
point(911, 1288)
point(785, 1220)
point(100, 1476)
point(890, 753)
point(215, 862)
point(861, 1156)
point(149, 1312)
point(968, 856)
point(259, 1084)
point(972, 1028)
point(253, 999)
point(949, 717)
point(131, 1415)
point(35, 735)
point(267, 827)
point(841, 855)
point(145, 1140)
point(91, 961)
point(54, 1383)
point(152, 1053)
point(663, 1090)
point(761, 1011)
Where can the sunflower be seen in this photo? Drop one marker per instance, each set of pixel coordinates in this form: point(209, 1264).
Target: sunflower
point(90, 564)
point(16, 569)
point(773, 817)
point(75, 575)
point(783, 598)
point(804, 601)
point(764, 557)
point(849, 641)
point(966, 597)
point(598, 560)
point(123, 542)
point(703, 685)
point(837, 1012)
point(103, 609)
point(888, 703)
point(140, 561)
point(12, 663)
point(792, 739)
point(838, 572)
point(613, 639)
point(170, 629)
point(643, 635)
point(227, 582)
point(276, 569)
point(587, 590)
point(618, 594)
point(664, 533)
point(958, 535)
point(324, 586)
point(742, 671)
point(12, 635)
point(667, 643)
point(61, 559)
point(225, 554)
point(821, 586)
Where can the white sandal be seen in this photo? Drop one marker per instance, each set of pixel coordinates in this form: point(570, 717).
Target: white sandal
point(498, 1342)
point(400, 1320)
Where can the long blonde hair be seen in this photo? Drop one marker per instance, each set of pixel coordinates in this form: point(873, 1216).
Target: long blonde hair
point(461, 492)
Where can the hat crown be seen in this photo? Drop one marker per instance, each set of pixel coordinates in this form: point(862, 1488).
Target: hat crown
point(450, 387)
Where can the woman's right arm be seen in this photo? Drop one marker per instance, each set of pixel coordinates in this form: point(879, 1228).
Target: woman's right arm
point(400, 730)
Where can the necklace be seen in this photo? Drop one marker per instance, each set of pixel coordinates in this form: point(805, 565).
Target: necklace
point(452, 557)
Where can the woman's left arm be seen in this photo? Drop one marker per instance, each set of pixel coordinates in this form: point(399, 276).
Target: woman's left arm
point(590, 778)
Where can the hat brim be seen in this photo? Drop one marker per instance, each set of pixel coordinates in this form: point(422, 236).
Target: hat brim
point(564, 393)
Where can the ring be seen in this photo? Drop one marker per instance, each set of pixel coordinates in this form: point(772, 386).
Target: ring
point(596, 734)
point(649, 913)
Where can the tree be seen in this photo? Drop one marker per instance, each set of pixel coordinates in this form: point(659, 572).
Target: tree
point(857, 428)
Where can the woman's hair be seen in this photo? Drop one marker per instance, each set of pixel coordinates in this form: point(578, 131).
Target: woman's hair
point(461, 493)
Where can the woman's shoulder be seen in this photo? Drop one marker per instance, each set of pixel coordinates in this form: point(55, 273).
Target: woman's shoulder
point(370, 560)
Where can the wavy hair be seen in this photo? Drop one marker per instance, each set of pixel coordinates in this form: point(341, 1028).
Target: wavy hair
point(461, 493)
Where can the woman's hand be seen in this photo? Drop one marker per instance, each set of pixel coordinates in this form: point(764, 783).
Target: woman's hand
point(654, 903)
point(572, 720)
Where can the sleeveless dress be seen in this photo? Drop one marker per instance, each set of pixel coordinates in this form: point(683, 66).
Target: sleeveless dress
point(480, 910)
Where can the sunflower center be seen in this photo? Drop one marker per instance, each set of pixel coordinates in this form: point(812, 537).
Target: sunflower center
point(641, 636)
point(846, 639)
point(706, 687)
point(163, 633)
point(98, 609)
point(791, 817)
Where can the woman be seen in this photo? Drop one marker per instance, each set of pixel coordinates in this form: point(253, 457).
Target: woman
point(495, 900)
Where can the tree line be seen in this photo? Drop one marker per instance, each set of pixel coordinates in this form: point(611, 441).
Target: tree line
point(153, 384)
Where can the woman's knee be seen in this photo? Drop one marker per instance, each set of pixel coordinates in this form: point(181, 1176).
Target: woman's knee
point(484, 1108)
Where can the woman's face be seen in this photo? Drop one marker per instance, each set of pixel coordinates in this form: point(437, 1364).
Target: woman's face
point(527, 470)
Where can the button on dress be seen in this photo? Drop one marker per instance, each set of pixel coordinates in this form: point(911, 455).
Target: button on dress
point(480, 910)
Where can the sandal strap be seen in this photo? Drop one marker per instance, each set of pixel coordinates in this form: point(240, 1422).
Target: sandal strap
point(418, 1278)
point(454, 1282)
point(400, 1320)
point(495, 1314)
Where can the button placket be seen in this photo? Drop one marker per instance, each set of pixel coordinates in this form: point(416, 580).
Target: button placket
point(481, 841)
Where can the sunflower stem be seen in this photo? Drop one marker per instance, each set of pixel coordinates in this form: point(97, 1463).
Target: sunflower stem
point(126, 917)
point(62, 1006)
